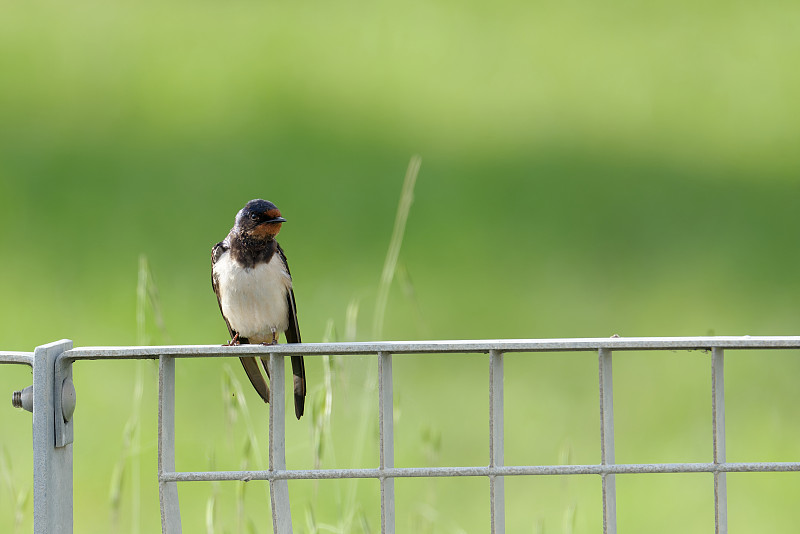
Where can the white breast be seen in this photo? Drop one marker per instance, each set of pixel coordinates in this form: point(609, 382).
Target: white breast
point(254, 299)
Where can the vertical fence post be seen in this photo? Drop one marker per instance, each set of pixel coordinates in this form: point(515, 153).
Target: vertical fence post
point(607, 441)
point(386, 424)
point(52, 466)
point(496, 446)
point(718, 421)
point(278, 489)
point(167, 491)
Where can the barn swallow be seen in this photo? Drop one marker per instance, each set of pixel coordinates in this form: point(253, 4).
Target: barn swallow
point(253, 285)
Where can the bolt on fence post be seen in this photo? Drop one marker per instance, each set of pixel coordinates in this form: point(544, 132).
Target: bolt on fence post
point(52, 464)
point(278, 489)
point(167, 491)
point(496, 438)
point(607, 441)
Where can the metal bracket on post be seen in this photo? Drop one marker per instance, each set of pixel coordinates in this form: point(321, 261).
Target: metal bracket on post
point(52, 448)
point(64, 399)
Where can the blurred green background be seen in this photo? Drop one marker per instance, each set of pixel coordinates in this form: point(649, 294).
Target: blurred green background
point(587, 170)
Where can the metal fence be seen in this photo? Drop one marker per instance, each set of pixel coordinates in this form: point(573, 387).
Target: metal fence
point(52, 399)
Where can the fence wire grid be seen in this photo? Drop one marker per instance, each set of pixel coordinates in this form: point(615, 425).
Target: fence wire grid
point(52, 401)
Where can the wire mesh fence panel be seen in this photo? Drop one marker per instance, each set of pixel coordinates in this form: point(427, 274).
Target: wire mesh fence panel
point(54, 362)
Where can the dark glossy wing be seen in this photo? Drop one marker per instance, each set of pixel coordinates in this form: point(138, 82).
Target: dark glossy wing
point(293, 336)
point(216, 253)
point(250, 364)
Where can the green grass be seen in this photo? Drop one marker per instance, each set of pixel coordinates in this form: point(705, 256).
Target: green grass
point(588, 170)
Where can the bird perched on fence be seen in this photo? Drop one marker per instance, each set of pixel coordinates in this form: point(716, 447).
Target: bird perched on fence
point(251, 279)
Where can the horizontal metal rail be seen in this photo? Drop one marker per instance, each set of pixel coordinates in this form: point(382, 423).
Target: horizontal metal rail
point(25, 358)
point(422, 347)
point(519, 470)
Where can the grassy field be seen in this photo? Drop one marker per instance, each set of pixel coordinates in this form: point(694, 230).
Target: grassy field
point(587, 170)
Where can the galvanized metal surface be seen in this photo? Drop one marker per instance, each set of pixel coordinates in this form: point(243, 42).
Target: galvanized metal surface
point(497, 494)
point(718, 422)
point(496, 470)
point(511, 470)
point(53, 465)
point(64, 391)
point(167, 489)
point(278, 488)
point(16, 357)
point(386, 440)
point(457, 346)
point(607, 441)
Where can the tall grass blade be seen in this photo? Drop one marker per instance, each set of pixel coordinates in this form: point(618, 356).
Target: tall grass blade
point(351, 320)
point(128, 465)
point(390, 264)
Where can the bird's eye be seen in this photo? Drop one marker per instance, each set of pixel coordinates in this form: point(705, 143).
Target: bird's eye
point(254, 216)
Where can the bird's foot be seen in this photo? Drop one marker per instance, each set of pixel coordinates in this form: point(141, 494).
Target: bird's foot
point(274, 339)
point(233, 342)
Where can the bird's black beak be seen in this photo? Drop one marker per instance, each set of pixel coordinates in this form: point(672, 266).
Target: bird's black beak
point(276, 220)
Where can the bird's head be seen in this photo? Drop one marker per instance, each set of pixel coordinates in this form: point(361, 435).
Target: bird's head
point(260, 219)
